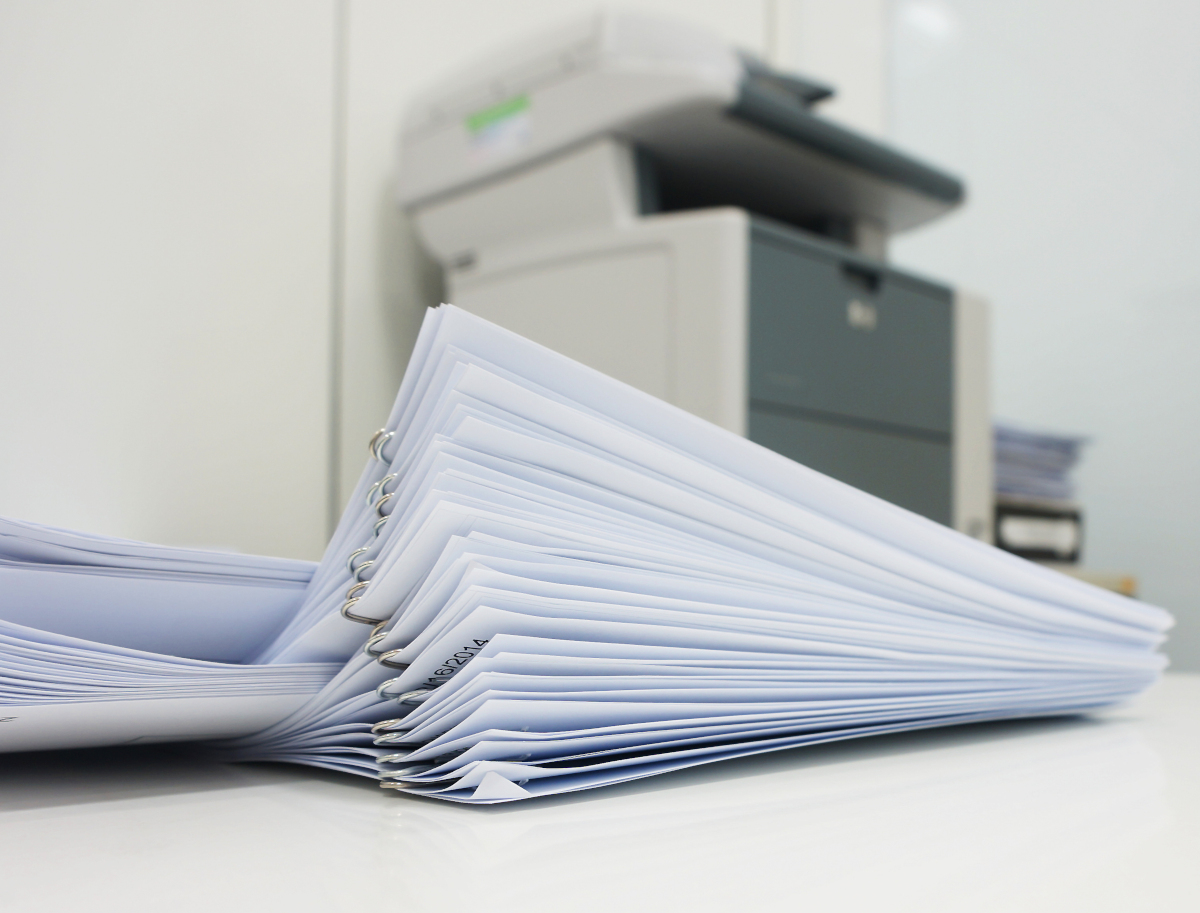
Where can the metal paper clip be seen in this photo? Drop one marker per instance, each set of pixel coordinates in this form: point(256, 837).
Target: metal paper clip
point(414, 697)
point(378, 439)
point(377, 634)
point(396, 737)
point(379, 727)
point(354, 554)
point(361, 619)
point(379, 486)
point(405, 772)
point(386, 659)
point(371, 491)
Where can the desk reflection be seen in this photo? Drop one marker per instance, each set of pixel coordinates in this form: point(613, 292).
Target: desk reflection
point(977, 818)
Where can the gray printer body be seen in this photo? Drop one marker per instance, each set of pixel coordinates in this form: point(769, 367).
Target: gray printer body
point(727, 255)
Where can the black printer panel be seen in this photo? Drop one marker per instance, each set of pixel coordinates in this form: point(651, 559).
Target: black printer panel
point(851, 368)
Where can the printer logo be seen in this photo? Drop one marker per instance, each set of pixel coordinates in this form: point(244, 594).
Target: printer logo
point(861, 316)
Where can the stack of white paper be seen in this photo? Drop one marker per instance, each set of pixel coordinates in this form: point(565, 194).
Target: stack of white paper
point(106, 641)
point(1035, 464)
point(575, 584)
point(569, 583)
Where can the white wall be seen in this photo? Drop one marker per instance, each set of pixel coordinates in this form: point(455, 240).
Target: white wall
point(207, 293)
point(1076, 125)
point(164, 268)
point(844, 43)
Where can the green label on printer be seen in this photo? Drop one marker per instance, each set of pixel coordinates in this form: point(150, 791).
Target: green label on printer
point(489, 117)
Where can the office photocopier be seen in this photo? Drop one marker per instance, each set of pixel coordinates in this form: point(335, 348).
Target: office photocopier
point(636, 194)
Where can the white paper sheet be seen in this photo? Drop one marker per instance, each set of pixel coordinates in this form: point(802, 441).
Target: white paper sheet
point(568, 584)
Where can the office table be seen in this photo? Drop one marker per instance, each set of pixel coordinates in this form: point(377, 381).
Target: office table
point(1094, 813)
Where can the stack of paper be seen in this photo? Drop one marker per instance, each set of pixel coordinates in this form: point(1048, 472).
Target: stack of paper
point(1035, 465)
point(575, 584)
point(562, 583)
point(106, 641)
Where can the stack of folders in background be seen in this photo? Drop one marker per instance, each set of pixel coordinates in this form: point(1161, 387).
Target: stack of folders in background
point(548, 581)
point(1036, 514)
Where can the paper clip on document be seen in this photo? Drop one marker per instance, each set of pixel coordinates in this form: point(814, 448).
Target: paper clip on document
point(381, 437)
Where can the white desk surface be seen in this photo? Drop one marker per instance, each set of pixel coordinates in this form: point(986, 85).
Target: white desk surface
point(1082, 814)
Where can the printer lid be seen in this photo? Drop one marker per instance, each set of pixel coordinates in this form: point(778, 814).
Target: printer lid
point(722, 127)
